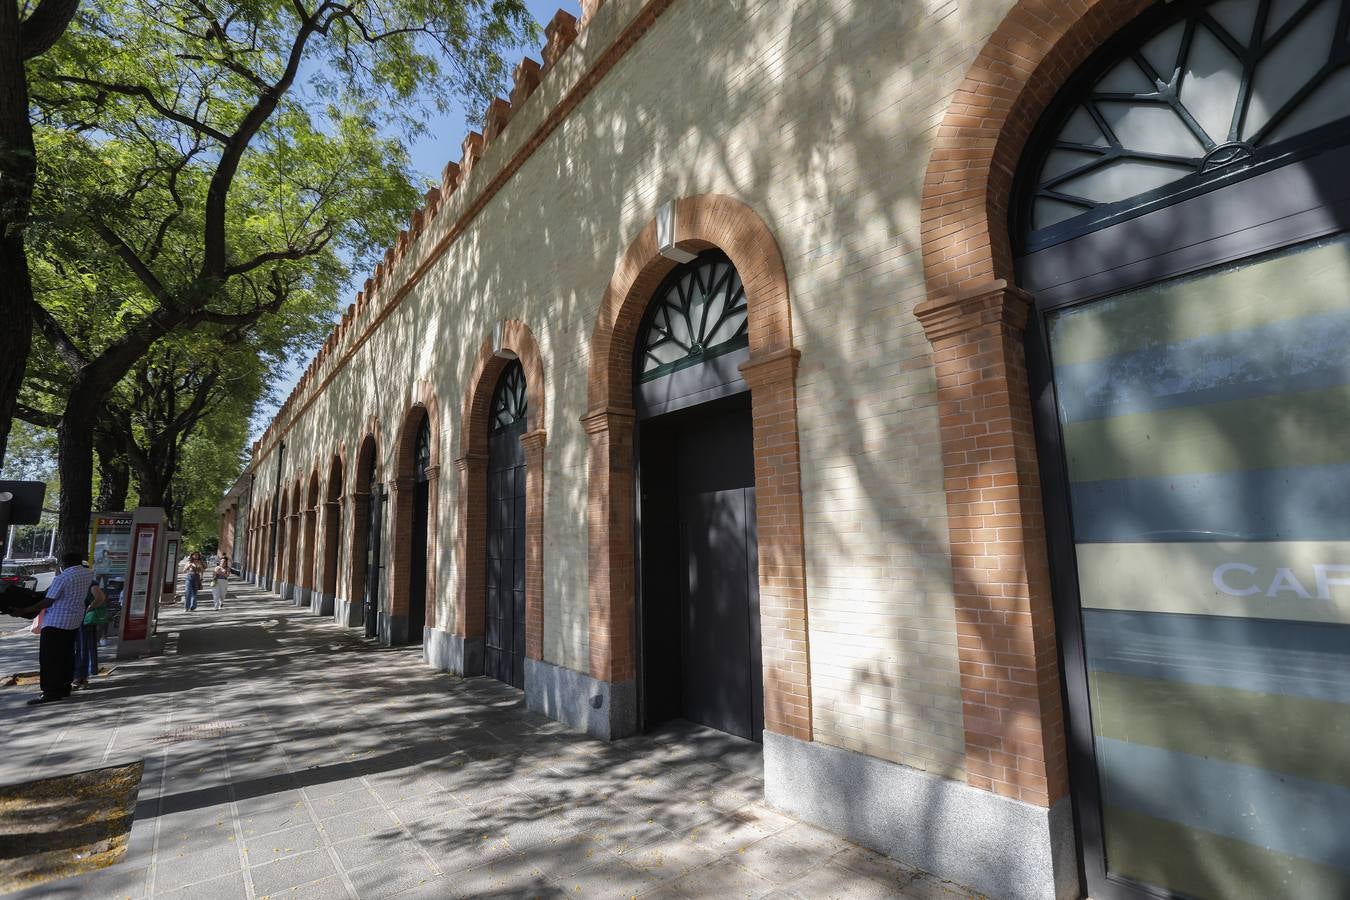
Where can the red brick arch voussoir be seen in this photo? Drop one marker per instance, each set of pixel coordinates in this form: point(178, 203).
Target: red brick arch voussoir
point(975, 319)
point(702, 221)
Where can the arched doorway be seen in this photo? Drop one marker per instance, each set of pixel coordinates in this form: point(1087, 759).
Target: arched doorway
point(294, 527)
point(367, 499)
point(504, 634)
point(1180, 230)
point(699, 573)
point(419, 537)
point(280, 540)
point(332, 539)
point(306, 594)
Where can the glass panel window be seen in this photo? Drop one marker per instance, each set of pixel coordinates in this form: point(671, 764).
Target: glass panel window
point(1206, 429)
point(698, 313)
point(509, 401)
point(1212, 88)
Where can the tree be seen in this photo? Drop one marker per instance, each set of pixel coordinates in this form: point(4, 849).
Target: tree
point(184, 138)
point(21, 39)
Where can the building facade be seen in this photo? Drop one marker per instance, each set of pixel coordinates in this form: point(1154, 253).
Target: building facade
point(947, 394)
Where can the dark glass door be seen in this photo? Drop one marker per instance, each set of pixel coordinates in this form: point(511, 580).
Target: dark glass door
point(417, 571)
point(700, 570)
point(505, 639)
point(373, 562)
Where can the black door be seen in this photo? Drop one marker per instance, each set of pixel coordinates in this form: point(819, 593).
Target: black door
point(417, 571)
point(373, 562)
point(504, 643)
point(700, 568)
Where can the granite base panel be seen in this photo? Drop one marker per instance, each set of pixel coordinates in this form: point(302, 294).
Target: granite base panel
point(348, 613)
point(1001, 847)
point(301, 596)
point(284, 590)
point(393, 630)
point(321, 604)
point(452, 653)
point(604, 710)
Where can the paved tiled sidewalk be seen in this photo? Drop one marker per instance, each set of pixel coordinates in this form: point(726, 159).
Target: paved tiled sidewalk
point(287, 757)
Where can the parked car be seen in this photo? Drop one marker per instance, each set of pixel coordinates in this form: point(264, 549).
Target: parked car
point(13, 573)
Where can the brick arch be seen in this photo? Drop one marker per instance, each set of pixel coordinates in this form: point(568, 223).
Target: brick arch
point(511, 339)
point(701, 222)
point(367, 460)
point(423, 405)
point(975, 319)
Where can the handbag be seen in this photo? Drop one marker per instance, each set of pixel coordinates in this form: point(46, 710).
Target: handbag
point(93, 615)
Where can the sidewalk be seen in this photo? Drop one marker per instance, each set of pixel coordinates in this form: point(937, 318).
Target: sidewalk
point(285, 756)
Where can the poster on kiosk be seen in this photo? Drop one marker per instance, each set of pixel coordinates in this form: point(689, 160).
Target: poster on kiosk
point(129, 552)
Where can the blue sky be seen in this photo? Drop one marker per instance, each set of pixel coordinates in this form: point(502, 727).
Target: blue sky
point(430, 152)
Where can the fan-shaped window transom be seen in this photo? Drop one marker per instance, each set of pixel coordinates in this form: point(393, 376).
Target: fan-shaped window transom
point(698, 312)
point(509, 403)
point(1216, 86)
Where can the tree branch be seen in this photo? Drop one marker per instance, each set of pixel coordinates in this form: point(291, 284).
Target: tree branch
point(132, 259)
point(41, 418)
point(57, 337)
point(137, 90)
point(317, 241)
point(45, 26)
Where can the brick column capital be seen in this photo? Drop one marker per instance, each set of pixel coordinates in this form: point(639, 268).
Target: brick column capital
point(776, 367)
point(470, 461)
point(605, 418)
point(433, 473)
point(994, 302)
point(534, 441)
point(401, 484)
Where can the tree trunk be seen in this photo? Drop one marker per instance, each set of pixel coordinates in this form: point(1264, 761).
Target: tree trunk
point(17, 168)
point(75, 457)
point(151, 487)
point(114, 475)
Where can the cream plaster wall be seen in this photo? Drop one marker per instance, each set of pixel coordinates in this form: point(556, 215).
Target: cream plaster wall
point(818, 114)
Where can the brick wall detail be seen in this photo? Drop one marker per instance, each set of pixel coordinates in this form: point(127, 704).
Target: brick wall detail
point(975, 320)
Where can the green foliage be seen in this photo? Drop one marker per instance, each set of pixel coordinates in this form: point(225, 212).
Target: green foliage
point(212, 459)
point(31, 456)
point(210, 174)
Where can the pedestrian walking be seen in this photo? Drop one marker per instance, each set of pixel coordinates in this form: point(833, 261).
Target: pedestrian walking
point(63, 612)
point(221, 585)
point(193, 582)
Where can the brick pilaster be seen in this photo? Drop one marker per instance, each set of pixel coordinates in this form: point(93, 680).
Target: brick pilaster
point(772, 378)
point(401, 493)
point(359, 542)
point(307, 558)
point(533, 444)
point(1014, 726)
point(433, 592)
point(610, 550)
point(471, 546)
point(332, 515)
